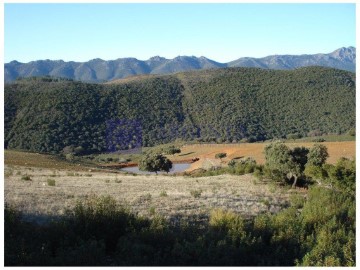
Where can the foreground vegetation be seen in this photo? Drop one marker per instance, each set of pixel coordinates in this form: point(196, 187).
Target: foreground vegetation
point(99, 232)
point(315, 230)
point(223, 105)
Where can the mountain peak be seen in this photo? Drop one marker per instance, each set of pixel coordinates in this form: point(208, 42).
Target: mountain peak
point(98, 70)
point(157, 58)
point(347, 54)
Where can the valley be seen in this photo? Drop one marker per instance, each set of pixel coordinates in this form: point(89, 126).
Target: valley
point(268, 150)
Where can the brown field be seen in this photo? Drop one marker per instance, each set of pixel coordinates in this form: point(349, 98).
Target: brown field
point(206, 152)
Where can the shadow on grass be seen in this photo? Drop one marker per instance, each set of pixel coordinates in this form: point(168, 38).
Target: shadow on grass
point(186, 154)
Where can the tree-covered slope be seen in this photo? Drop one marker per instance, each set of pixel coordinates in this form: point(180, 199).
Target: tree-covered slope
point(224, 104)
point(48, 116)
point(263, 104)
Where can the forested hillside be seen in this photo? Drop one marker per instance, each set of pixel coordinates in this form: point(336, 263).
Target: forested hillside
point(224, 105)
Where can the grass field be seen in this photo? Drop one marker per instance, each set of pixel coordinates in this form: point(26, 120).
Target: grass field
point(27, 159)
point(171, 196)
point(44, 185)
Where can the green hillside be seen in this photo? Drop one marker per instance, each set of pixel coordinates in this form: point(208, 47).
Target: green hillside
point(226, 105)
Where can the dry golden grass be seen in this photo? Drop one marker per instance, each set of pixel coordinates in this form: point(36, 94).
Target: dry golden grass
point(18, 158)
point(169, 196)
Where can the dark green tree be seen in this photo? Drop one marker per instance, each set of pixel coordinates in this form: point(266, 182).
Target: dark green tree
point(317, 155)
point(284, 163)
point(154, 163)
point(300, 156)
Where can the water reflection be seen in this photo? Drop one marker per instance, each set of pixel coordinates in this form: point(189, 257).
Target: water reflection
point(179, 167)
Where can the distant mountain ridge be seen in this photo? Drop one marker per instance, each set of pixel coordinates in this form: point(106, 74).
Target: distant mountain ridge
point(98, 70)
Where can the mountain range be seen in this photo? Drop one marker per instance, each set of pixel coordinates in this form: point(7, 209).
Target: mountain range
point(98, 70)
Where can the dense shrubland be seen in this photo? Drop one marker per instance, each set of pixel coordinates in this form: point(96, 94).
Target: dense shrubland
point(224, 105)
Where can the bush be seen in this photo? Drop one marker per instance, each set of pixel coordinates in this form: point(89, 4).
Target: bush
point(26, 177)
point(352, 132)
point(242, 166)
point(220, 155)
point(319, 140)
point(171, 150)
point(70, 157)
point(51, 182)
point(226, 220)
point(196, 193)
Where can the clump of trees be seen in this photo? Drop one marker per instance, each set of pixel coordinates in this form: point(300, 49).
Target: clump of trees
point(285, 164)
point(154, 162)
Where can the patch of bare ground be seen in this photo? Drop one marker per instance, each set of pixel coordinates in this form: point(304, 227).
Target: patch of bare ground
point(170, 196)
point(206, 152)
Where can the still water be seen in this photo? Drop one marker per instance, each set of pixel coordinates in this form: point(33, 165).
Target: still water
point(179, 167)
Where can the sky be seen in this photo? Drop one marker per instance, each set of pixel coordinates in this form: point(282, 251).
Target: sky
point(221, 32)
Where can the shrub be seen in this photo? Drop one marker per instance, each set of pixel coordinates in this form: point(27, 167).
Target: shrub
point(319, 140)
point(51, 182)
point(232, 163)
point(226, 220)
point(220, 155)
point(171, 150)
point(26, 177)
point(70, 157)
point(196, 193)
point(152, 210)
point(352, 132)
point(243, 166)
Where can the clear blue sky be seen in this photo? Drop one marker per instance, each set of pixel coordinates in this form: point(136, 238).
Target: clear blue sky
point(222, 32)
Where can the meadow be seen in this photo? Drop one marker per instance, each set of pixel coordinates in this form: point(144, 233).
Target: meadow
point(172, 196)
point(80, 212)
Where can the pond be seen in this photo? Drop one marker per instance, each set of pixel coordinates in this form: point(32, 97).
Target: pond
point(179, 167)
